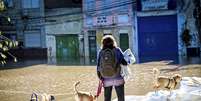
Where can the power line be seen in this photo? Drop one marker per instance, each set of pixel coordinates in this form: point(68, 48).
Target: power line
point(87, 12)
point(113, 6)
point(91, 12)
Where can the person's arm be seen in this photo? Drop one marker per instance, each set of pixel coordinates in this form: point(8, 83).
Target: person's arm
point(98, 66)
point(122, 60)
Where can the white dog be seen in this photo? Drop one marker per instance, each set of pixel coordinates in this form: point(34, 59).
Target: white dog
point(44, 97)
point(47, 97)
point(34, 97)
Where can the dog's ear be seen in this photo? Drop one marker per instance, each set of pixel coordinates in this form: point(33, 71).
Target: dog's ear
point(95, 96)
point(177, 77)
point(52, 98)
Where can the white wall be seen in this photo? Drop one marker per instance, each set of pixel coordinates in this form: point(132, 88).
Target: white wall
point(64, 28)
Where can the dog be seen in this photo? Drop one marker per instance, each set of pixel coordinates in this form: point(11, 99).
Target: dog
point(166, 82)
point(47, 97)
point(44, 97)
point(83, 96)
point(34, 97)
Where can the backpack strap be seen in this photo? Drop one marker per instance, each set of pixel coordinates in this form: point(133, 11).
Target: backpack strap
point(115, 57)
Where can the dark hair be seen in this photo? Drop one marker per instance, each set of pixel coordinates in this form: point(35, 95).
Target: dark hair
point(108, 41)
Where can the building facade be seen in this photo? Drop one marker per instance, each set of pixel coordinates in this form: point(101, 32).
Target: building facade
point(27, 18)
point(103, 17)
point(70, 31)
point(64, 39)
point(159, 27)
point(157, 32)
point(189, 18)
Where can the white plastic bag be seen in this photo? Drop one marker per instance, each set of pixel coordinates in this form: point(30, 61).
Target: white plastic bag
point(125, 72)
point(129, 57)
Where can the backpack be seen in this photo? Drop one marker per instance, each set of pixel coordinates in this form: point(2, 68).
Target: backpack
point(108, 63)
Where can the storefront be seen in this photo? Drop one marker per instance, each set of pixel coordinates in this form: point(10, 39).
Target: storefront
point(157, 30)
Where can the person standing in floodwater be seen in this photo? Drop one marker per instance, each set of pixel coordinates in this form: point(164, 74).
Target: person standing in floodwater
point(108, 68)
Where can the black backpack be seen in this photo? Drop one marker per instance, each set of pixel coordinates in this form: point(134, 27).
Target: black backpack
point(108, 63)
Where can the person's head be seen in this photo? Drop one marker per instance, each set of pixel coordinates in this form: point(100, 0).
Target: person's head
point(108, 41)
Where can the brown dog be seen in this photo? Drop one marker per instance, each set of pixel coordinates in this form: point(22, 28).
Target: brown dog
point(83, 96)
point(166, 82)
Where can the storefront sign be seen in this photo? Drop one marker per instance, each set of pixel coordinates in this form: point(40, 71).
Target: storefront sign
point(148, 5)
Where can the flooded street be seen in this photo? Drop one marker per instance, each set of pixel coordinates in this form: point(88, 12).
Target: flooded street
point(18, 84)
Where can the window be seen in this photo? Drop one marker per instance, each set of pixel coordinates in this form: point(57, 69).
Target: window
point(32, 40)
point(30, 3)
point(90, 5)
point(123, 18)
point(9, 3)
point(89, 20)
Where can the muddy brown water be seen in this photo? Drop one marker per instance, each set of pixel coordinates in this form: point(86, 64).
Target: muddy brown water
point(18, 84)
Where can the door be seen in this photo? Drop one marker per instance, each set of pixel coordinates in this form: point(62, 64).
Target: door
point(67, 49)
point(157, 38)
point(124, 41)
point(92, 47)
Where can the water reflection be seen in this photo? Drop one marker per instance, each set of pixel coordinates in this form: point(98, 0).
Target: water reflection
point(191, 60)
point(174, 59)
point(83, 62)
point(59, 80)
point(31, 62)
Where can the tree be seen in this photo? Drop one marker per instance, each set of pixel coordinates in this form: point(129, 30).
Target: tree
point(185, 36)
point(197, 16)
point(5, 43)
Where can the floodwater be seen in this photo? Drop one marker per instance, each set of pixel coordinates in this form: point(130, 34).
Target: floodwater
point(17, 84)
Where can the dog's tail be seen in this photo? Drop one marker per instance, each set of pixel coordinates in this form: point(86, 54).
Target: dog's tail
point(156, 73)
point(75, 86)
